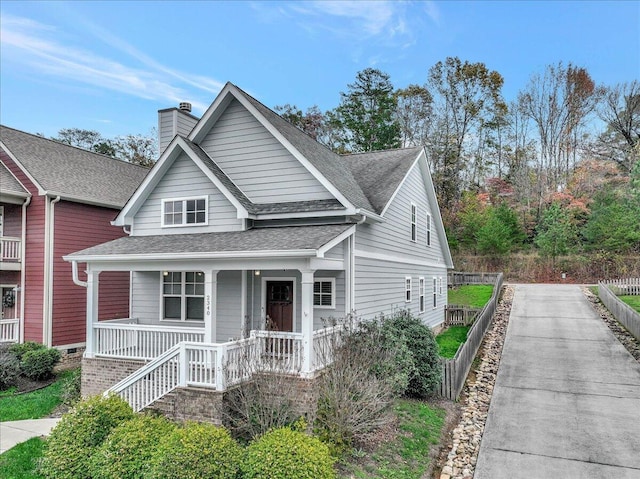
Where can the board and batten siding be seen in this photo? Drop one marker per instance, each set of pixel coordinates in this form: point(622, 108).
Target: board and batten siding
point(257, 162)
point(185, 179)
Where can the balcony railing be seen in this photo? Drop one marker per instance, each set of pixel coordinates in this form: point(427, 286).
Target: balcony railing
point(10, 249)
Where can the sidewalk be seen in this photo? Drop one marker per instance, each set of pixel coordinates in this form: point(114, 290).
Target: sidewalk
point(15, 432)
point(567, 394)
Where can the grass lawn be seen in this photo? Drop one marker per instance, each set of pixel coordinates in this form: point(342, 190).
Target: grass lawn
point(19, 462)
point(472, 295)
point(450, 339)
point(633, 301)
point(33, 405)
point(406, 457)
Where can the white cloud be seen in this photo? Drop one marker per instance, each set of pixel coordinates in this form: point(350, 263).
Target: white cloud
point(40, 48)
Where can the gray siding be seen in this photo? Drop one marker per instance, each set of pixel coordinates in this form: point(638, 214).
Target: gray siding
point(322, 317)
point(185, 179)
point(337, 252)
point(229, 324)
point(257, 162)
point(380, 289)
point(393, 237)
point(145, 290)
point(171, 123)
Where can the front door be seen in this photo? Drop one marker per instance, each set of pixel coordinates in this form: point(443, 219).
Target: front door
point(8, 296)
point(280, 305)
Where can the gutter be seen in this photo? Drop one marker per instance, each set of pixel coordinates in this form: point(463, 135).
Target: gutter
point(47, 304)
point(23, 271)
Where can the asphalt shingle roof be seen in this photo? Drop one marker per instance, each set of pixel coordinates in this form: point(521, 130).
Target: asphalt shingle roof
point(74, 172)
point(379, 173)
point(9, 184)
point(260, 239)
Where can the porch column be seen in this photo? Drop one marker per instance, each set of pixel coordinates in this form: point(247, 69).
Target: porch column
point(210, 305)
point(307, 321)
point(93, 302)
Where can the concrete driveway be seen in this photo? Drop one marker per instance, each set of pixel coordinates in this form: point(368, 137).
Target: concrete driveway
point(567, 397)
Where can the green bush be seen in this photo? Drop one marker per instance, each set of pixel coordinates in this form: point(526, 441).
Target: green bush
point(9, 369)
point(286, 454)
point(127, 451)
point(38, 364)
point(21, 349)
point(71, 388)
point(427, 374)
point(79, 433)
point(196, 451)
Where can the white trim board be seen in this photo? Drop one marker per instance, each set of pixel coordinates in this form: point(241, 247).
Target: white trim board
point(397, 259)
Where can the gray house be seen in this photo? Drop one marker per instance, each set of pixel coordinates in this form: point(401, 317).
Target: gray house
point(249, 233)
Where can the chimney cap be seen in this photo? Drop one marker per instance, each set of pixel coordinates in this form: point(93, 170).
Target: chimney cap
point(185, 106)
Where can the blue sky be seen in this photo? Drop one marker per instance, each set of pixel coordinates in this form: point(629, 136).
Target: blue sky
point(109, 66)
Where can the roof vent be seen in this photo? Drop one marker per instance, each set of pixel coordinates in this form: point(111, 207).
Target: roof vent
point(185, 106)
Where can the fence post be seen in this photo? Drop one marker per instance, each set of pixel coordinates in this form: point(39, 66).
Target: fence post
point(221, 355)
point(183, 365)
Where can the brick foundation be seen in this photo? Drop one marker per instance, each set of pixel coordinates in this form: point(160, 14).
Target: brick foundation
point(192, 404)
point(98, 375)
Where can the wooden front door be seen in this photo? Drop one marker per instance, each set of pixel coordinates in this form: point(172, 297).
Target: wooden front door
point(280, 305)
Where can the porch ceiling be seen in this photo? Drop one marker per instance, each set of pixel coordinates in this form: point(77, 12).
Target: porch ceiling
point(258, 242)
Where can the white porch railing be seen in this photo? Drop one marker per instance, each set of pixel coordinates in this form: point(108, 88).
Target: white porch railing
point(324, 342)
point(279, 351)
point(125, 339)
point(9, 330)
point(9, 249)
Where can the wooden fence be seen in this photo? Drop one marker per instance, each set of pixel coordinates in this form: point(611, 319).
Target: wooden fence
point(455, 371)
point(455, 315)
point(457, 278)
point(608, 291)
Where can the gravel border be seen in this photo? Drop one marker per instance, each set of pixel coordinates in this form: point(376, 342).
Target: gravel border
point(476, 395)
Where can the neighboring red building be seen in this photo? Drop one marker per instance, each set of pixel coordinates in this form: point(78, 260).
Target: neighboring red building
point(56, 199)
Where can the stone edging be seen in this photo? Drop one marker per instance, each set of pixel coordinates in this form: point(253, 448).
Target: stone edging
point(476, 396)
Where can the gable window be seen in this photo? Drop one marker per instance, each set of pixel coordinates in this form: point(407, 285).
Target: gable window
point(421, 294)
point(183, 296)
point(414, 222)
point(184, 211)
point(435, 292)
point(428, 229)
point(324, 296)
point(407, 289)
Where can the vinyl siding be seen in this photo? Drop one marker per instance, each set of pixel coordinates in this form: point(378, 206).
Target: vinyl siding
point(145, 296)
point(337, 252)
point(228, 308)
point(12, 220)
point(380, 289)
point(322, 317)
point(185, 179)
point(170, 123)
point(79, 226)
point(393, 237)
point(257, 162)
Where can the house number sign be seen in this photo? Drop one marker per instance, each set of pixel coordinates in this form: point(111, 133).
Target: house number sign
point(208, 305)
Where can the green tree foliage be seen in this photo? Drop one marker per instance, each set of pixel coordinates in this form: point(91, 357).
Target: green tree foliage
point(366, 114)
point(557, 233)
point(471, 217)
point(494, 237)
point(414, 114)
point(312, 122)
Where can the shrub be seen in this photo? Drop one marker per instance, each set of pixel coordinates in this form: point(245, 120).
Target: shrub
point(71, 388)
point(127, 451)
point(21, 349)
point(286, 454)
point(79, 433)
point(196, 451)
point(9, 369)
point(38, 364)
point(420, 340)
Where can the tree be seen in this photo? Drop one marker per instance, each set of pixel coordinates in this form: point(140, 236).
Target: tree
point(86, 139)
point(557, 234)
point(137, 149)
point(365, 116)
point(493, 237)
point(414, 114)
point(312, 122)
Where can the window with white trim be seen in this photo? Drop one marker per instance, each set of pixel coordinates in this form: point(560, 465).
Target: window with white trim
point(440, 281)
point(428, 229)
point(324, 293)
point(414, 222)
point(184, 211)
point(183, 296)
point(407, 289)
point(421, 295)
point(435, 292)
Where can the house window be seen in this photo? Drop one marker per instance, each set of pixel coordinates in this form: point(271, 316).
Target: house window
point(421, 294)
point(324, 293)
point(414, 222)
point(440, 281)
point(184, 212)
point(435, 291)
point(407, 289)
point(428, 230)
point(183, 296)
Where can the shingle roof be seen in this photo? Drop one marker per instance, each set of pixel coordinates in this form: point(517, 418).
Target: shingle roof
point(283, 239)
point(9, 184)
point(73, 172)
point(379, 173)
point(327, 162)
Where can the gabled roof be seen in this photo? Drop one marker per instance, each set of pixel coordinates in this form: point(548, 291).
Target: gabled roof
point(72, 173)
point(380, 173)
point(9, 184)
point(284, 241)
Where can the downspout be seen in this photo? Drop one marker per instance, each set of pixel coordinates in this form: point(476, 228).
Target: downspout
point(47, 307)
point(23, 270)
point(74, 275)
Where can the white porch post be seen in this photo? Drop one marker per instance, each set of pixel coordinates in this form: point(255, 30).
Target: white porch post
point(210, 305)
point(92, 312)
point(307, 321)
